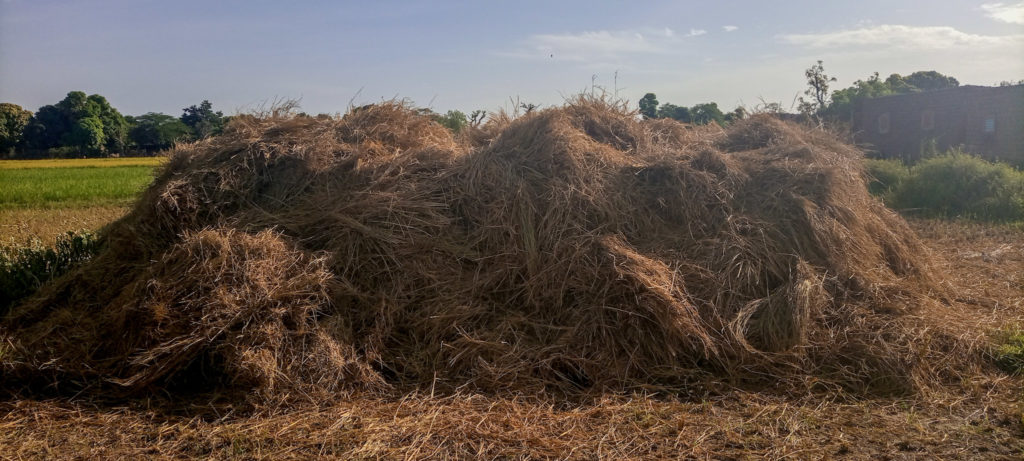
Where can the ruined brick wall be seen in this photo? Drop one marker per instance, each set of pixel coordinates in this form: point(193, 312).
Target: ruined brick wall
point(988, 121)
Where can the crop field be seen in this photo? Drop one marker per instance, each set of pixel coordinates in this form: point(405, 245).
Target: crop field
point(32, 184)
point(572, 284)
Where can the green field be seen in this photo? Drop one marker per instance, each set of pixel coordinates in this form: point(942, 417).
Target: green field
point(73, 183)
point(81, 162)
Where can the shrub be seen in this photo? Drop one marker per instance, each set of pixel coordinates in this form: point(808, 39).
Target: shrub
point(886, 175)
point(23, 268)
point(952, 185)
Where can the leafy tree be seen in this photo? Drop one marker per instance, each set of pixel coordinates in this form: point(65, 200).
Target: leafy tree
point(454, 120)
point(817, 89)
point(155, 131)
point(672, 111)
point(202, 119)
point(844, 101)
point(649, 106)
point(88, 123)
point(13, 120)
point(115, 127)
point(930, 80)
point(87, 135)
point(46, 128)
point(703, 114)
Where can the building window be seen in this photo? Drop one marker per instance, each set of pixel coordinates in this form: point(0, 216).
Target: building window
point(928, 120)
point(883, 123)
point(990, 125)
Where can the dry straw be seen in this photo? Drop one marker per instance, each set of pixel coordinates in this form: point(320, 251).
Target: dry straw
point(571, 249)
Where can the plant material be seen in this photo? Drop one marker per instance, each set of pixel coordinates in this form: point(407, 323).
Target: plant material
point(571, 249)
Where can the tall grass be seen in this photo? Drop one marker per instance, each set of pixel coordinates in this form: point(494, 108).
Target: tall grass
point(71, 186)
point(952, 185)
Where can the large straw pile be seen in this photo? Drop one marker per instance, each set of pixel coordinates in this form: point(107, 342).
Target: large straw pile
point(573, 248)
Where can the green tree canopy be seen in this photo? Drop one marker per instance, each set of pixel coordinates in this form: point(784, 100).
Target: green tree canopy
point(844, 101)
point(454, 120)
point(703, 114)
point(13, 120)
point(155, 131)
point(87, 123)
point(203, 120)
point(817, 89)
point(672, 111)
point(649, 106)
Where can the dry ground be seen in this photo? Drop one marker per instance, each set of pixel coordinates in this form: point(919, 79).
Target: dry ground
point(981, 419)
point(20, 225)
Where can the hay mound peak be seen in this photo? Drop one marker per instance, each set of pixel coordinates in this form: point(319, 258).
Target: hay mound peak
point(573, 248)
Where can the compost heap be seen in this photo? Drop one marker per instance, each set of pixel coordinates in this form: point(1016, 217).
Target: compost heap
point(574, 248)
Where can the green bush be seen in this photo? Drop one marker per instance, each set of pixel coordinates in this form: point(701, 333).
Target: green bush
point(24, 268)
point(954, 185)
point(886, 175)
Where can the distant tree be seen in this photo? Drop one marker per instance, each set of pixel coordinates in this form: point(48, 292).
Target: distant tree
point(155, 131)
point(930, 80)
point(203, 120)
point(649, 105)
point(674, 112)
point(86, 123)
point(817, 89)
point(477, 117)
point(738, 113)
point(1011, 83)
point(454, 120)
point(703, 114)
point(115, 127)
point(86, 135)
point(13, 120)
point(46, 128)
point(528, 107)
point(844, 101)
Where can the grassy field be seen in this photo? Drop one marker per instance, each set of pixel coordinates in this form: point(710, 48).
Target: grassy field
point(75, 183)
point(80, 163)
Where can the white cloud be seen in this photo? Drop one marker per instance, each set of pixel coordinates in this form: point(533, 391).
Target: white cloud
point(902, 37)
point(600, 44)
point(1011, 13)
point(730, 28)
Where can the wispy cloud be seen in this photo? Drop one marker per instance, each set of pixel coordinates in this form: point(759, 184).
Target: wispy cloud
point(730, 28)
point(901, 37)
point(600, 44)
point(1011, 13)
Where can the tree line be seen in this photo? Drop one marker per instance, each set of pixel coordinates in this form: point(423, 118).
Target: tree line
point(700, 114)
point(81, 125)
point(819, 103)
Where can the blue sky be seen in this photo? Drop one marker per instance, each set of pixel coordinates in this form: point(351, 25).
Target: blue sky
point(149, 55)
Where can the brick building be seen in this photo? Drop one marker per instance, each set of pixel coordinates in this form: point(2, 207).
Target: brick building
point(987, 121)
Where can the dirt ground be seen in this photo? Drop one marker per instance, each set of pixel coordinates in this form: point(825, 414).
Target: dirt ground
point(983, 418)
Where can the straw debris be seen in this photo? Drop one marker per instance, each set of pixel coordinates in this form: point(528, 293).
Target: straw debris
point(571, 249)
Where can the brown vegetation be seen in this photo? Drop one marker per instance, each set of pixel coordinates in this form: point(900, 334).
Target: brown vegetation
point(572, 249)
